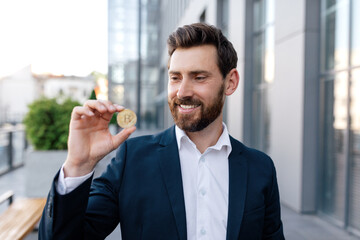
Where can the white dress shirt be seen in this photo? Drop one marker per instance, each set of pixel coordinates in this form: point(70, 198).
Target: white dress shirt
point(206, 186)
point(66, 185)
point(205, 180)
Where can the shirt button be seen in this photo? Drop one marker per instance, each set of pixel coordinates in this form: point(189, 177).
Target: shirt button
point(203, 192)
point(202, 159)
point(203, 231)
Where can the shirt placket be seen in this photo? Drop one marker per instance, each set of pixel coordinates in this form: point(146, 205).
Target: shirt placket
point(202, 228)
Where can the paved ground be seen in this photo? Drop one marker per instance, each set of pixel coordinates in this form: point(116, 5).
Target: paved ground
point(296, 226)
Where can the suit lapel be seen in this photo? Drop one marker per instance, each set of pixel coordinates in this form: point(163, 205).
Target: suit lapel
point(237, 190)
point(171, 171)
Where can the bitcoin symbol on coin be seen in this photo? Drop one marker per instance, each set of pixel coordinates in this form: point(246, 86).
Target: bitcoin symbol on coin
point(126, 118)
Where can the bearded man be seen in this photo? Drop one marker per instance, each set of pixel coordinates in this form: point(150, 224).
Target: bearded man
point(192, 181)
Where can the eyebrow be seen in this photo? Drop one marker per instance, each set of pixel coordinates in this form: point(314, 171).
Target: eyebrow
point(195, 72)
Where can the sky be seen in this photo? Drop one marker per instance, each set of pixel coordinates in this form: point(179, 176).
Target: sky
point(61, 37)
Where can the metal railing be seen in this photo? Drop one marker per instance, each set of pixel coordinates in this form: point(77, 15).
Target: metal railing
point(12, 147)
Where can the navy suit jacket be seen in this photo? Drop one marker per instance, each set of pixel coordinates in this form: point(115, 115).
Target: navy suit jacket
point(142, 189)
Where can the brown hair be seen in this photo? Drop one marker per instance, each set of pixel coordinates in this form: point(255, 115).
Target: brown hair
point(201, 34)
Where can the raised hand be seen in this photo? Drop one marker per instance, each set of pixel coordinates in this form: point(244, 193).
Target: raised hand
point(89, 136)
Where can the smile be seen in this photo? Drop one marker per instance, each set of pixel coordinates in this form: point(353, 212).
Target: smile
point(186, 109)
point(188, 106)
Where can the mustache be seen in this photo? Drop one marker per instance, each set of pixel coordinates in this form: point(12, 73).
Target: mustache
point(186, 101)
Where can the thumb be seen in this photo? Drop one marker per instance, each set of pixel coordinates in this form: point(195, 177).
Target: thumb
point(122, 136)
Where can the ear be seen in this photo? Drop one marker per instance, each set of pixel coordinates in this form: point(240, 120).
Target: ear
point(232, 82)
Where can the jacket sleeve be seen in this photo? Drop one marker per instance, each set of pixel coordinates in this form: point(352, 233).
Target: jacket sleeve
point(88, 212)
point(63, 214)
point(273, 228)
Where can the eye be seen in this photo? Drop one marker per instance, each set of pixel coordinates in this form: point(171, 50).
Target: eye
point(199, 78)
point(174, 78)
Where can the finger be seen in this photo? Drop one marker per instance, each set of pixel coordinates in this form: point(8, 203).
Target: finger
point(78, 112)
point(118, 107)
point(109, 105)
point(122, 136)
point(100, 106)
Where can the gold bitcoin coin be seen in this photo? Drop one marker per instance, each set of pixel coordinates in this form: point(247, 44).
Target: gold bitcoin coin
point(126, 118)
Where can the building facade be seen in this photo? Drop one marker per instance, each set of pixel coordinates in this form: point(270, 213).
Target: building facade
point(299, 95)
point(20, 89)
point(134, 58)
point(16, 92)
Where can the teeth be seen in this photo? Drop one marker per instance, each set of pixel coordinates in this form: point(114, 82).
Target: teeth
point(188, 106)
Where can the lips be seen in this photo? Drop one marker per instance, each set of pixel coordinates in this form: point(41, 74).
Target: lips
point(187, 109)
point(189, 106)
point(184, 106)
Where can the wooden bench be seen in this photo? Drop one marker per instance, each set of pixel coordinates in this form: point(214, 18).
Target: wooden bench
point(20, 218)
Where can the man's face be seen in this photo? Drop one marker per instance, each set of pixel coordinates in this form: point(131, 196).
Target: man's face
point(195, 88)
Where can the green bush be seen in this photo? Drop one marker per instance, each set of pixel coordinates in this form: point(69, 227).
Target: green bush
point(47, 123)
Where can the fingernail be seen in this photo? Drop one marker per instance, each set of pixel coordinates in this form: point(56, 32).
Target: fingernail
point(91, 113)
point(119, 107)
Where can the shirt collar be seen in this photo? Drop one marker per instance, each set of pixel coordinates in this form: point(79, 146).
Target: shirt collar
point(223, 141)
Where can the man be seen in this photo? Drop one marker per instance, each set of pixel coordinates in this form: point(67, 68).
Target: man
point(192, 181)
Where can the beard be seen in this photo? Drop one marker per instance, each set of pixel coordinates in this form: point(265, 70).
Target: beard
point(208, 114)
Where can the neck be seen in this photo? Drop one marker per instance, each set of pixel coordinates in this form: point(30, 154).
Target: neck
point(208, 136)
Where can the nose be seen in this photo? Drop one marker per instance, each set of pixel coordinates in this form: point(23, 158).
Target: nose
point(185, 89)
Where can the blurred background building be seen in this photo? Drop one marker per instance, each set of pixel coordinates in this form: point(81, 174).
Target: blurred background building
point(133, 44)
point(18, 90)
point(299, 95)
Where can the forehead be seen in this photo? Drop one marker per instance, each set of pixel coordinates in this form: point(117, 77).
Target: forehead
point(202, 57)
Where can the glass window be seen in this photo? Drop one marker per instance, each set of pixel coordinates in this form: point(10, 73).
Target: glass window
point(256, 120)
point(336, 37)
point(354, 198)
point(330, 3)
point(4, 151)
point(259, 15)
point(261, 118)
point(258, 64)
point(117, 94)
point(130, 95)
point(118, 73)
point(355, 41)
point(263, 72)
point(223, 15)
point(334, 152)
point(269, 55)
point(150, 75)
point(131, 46)
point(148, 111)
point(18, 141)
point(341, 111)
point(270, 11)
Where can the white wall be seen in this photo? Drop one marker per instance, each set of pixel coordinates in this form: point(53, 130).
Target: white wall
point(287, 97)
point(235, 102)
point(77, 88)
point(196, 8)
